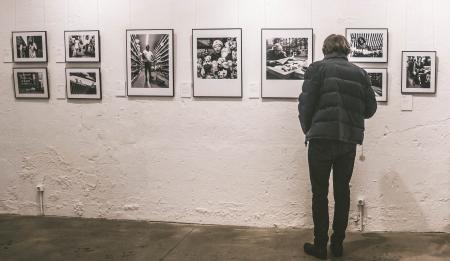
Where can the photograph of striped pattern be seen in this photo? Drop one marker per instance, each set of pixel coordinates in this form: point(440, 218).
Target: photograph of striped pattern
point(366, 44)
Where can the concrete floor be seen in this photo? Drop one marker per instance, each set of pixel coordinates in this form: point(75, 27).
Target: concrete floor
point(67, 239)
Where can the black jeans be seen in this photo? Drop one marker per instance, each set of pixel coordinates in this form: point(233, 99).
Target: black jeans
point(148, 68)
point(324, 155)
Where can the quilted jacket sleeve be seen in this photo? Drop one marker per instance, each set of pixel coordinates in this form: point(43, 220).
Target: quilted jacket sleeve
point(371, 103)
point(308, 97)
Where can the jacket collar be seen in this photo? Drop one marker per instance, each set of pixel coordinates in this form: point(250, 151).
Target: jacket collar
point(336, 55)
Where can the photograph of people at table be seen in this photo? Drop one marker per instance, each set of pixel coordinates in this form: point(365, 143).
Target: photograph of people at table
point(286, 58)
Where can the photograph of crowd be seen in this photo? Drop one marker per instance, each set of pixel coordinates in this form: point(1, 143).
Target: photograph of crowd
point(82, 46)
point(217, 58)
point(30, 82)
point(286, 58)
point(418, 72)
point(216, 62)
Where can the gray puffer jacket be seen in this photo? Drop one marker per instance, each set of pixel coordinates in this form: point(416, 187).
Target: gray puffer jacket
point(336, 98)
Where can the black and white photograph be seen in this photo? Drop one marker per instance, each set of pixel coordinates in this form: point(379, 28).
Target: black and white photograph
point(83, 83)
point(29, 46)
point(30, 83)
point(418, 72)
point(368, 45)
point(286, 58)
point(82, 46)
point(286, 54)
point(378, 79)
point(217, 62)
point(217, 58)
point(150, 62)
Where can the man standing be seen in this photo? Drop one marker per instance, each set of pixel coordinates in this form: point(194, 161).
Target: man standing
point(76, 46)
point(32, 49)
point(336, 98)
point(148, 57)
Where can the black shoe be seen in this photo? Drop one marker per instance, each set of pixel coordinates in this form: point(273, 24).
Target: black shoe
point(313, 250)
point(337, 249)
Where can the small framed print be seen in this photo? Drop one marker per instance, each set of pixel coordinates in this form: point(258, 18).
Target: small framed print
point(418, 72)
point(150, 56)
point(31, 83)
point(29, 47)
point(217, 62)
point(82, 46)
point(286, 54)
point(83, 83)
point(378, 78)
point(368, 45)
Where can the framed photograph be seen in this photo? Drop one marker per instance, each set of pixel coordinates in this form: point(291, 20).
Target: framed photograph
point(368, 45)
point(83, 83)
point(217, 62)
point(378, 78)
point(29, 47)
point(286, 54)
point(82, 46)
point(150, 70)
point(31, 83)
point(419, 72)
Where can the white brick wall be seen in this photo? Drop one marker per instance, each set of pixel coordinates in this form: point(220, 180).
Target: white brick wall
point(217, 160)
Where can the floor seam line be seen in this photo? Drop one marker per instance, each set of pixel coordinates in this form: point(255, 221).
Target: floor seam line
point(176, 245)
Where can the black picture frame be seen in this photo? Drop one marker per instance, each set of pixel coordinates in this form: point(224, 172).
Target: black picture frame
point(433, 73)
point(16, 59)
point(71, 96)
point(96, 59)
point(384, 41)
point(194, 60)
point(18, 95)
point(385, 83)
point(295, 85)
point(171, 92)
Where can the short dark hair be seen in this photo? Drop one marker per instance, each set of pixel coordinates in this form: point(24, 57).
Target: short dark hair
point(336, 43)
